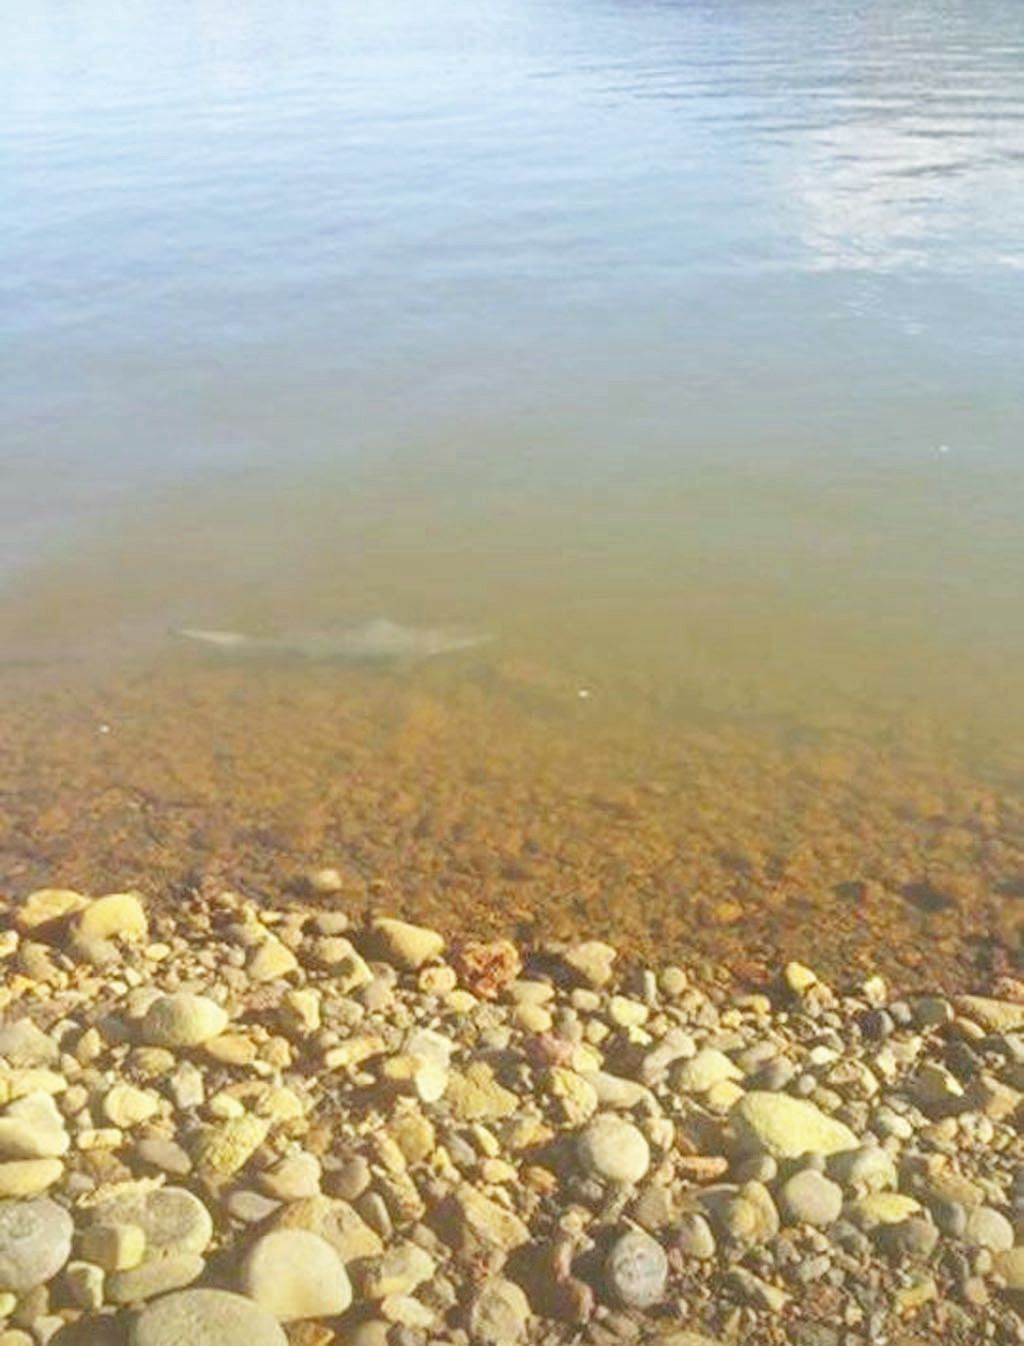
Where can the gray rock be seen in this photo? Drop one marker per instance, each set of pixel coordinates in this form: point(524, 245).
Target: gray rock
point(35, 1242)
point(810, 1198)
point(206, 1318)
point(636, 1270)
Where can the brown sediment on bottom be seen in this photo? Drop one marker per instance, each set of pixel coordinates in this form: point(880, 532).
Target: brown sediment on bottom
point(502, 803)
point(254, 1125)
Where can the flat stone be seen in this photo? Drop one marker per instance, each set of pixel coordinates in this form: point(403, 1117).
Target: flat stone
point(182, 1020)
point(29, 1177)
point(808, 1197)
point(499, 1314)
point(172, 1219)
point(35, 1242)
point(407, 946)
point(250, 1207)
point(613, 1150)
point(206, 1318)
point(166, 1155)
point(635, 1271)
point(786, 1127)
point(294, 1275)
point(155, 1276)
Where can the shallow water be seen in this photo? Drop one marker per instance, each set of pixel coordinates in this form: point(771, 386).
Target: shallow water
point(675, 344)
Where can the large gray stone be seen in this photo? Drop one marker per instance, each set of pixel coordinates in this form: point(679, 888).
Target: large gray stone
point(35, 1242)
point(206, 1318)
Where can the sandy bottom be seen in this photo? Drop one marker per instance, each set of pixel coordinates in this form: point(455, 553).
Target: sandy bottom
point(498, 799)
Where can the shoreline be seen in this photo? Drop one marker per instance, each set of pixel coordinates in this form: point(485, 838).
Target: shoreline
point(242, 1124)
point(501, 809)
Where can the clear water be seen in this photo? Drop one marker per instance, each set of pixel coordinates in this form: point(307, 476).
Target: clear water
point(677, 344)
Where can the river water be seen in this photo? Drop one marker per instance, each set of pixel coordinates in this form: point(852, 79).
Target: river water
point(675, 345)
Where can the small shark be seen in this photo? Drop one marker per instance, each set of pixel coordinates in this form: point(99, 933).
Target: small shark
point(379, 641)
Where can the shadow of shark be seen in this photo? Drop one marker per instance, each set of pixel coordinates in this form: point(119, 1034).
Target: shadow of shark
point(376, 642)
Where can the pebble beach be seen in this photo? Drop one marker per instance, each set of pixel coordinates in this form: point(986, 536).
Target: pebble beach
point(252, 1123)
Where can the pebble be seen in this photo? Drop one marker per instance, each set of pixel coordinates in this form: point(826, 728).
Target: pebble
point(206, 1318)
point(182, 1020)
point(613, 1150)
point(405, 945)
point(118, 915)
point(810, 1198)
point(294, 1274)
point(509, 1123)
point(694, 1237)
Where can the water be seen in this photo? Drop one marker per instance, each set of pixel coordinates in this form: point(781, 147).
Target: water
point(676, 344)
